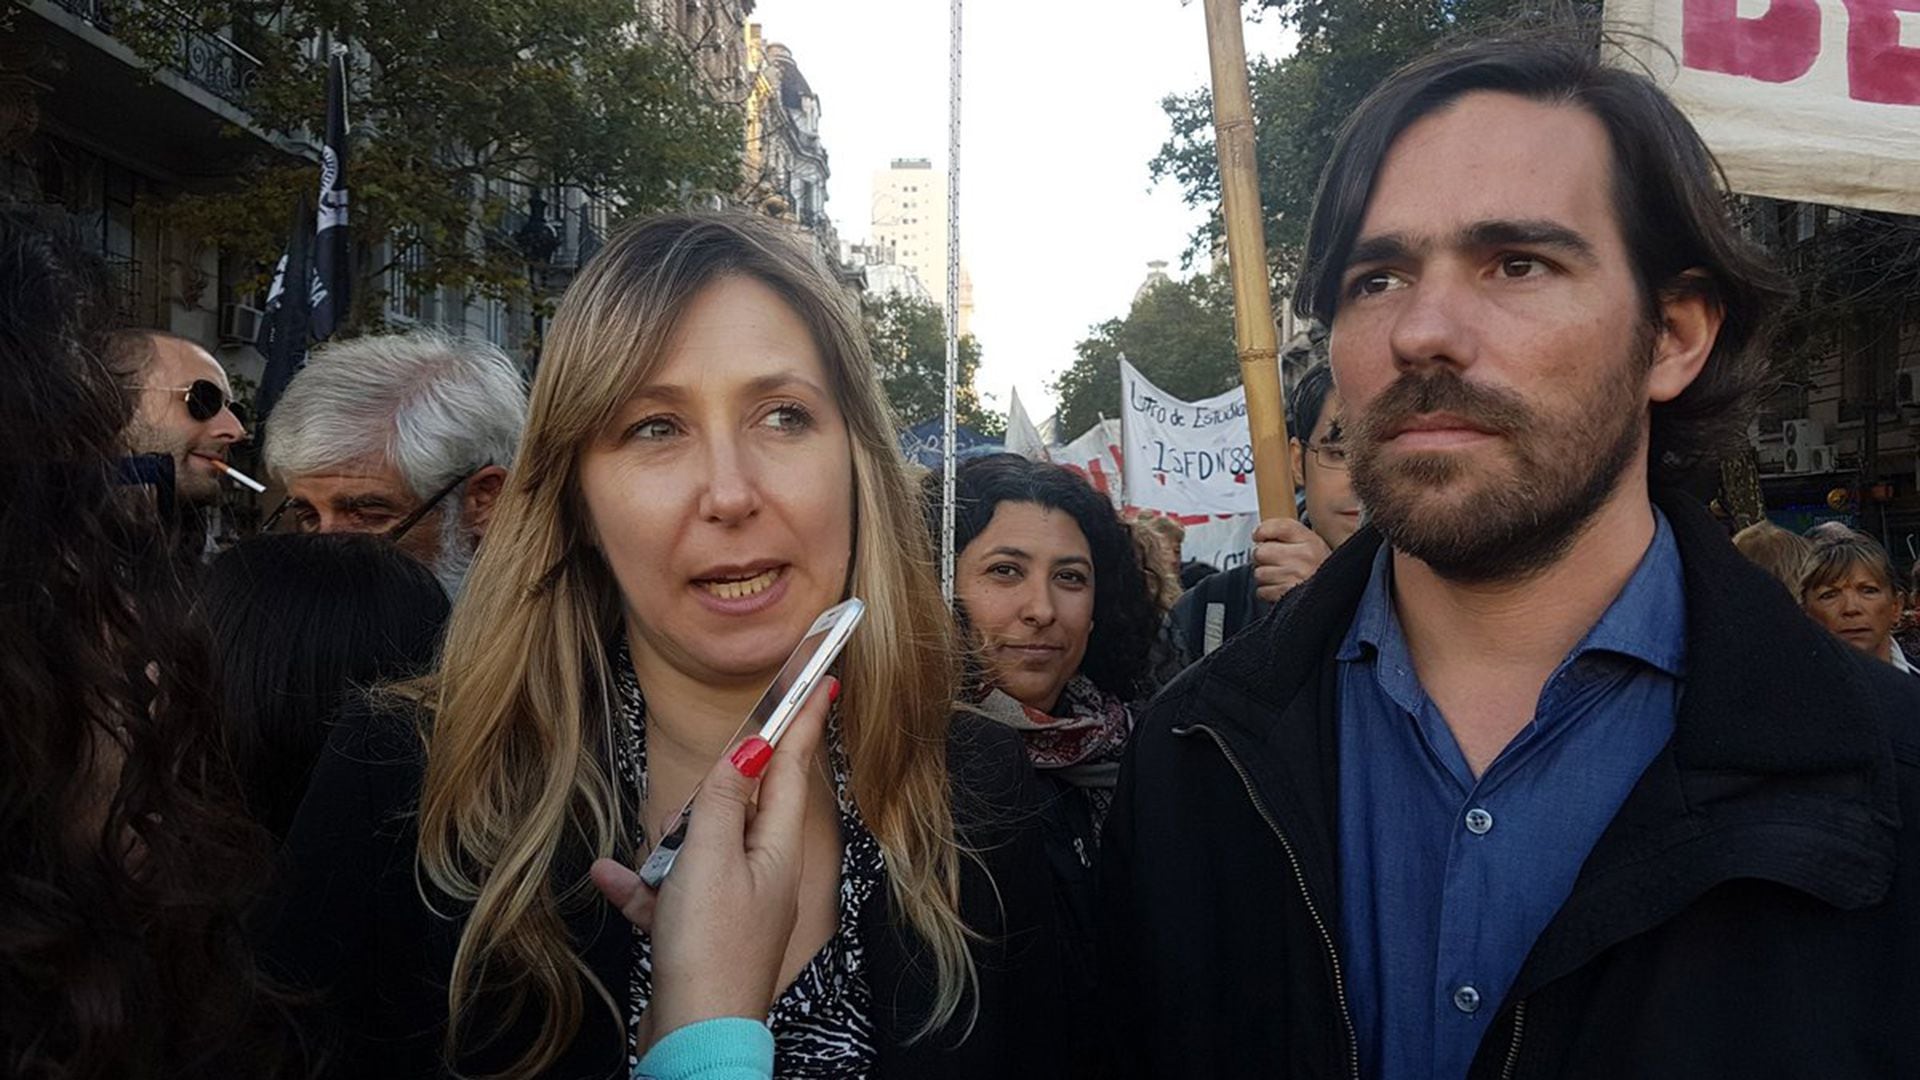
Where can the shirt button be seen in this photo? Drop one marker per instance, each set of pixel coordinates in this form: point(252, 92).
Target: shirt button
point(1479, 822)
point(1467, 1000)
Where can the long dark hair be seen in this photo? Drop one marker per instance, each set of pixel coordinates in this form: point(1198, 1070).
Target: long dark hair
point(1125, 620)
point(127, 862)
point(1668, 194)
point(300, 622)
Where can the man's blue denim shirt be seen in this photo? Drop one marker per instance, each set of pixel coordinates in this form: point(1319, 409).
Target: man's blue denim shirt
point(1447, 880)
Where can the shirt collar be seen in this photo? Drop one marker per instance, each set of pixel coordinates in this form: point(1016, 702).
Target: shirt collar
point(1374, 623)
point(1899, 658)
point(1376, 630)
point(1646, 621)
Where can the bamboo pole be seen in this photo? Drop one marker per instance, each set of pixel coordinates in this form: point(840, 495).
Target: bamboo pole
point(1253, 328)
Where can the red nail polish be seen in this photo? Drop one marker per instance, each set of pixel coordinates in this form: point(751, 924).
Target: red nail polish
point(833, 689)
point(750, 758)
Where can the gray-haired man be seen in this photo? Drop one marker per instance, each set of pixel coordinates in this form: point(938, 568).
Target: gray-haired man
point(409, 436)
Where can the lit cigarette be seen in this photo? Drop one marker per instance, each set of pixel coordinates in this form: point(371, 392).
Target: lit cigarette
point(238, 476)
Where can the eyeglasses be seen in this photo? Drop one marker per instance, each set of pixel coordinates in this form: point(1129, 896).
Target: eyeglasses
point(1331, 455)
point(205, 398)
point(399, 528)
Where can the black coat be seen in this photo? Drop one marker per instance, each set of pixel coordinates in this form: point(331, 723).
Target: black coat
point(1237, 595)
point(349, 927)
point(1753, 909)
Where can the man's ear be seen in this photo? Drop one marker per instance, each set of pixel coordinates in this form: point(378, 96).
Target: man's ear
point(483, 491)
point(1297, 453)
point(1690, 321)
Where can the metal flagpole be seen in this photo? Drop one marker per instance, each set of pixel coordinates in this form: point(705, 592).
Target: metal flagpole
point(953, 302)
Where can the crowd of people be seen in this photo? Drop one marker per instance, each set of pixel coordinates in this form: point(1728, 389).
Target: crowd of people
point(1497, 760)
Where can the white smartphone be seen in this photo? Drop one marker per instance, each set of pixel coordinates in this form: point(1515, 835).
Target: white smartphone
point(804, 669)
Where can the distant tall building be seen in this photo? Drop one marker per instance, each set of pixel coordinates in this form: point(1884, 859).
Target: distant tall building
point(910, 218)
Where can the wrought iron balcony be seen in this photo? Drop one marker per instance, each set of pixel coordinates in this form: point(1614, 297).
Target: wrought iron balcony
point(123, 284)
point(206, 59)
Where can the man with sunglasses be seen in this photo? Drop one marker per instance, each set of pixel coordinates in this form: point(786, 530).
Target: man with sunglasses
point(183, 409)
point(406, 436)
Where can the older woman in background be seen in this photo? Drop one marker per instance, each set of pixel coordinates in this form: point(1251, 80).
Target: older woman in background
point(1850, 587)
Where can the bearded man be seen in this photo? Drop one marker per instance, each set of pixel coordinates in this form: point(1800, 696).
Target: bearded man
point(405, 436)
point(1536, 776)
point(183, 409)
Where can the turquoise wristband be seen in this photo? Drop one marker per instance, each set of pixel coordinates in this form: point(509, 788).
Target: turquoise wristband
point(725, 1048)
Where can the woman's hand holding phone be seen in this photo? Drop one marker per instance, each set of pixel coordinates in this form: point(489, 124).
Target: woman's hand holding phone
point(720, 924)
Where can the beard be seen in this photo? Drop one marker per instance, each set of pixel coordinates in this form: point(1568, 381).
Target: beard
point(190, 486)
point(1493, 527)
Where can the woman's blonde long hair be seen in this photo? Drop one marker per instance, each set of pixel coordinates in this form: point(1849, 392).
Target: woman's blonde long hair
point(520, 709)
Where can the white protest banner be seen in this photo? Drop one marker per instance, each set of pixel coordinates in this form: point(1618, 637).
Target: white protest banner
point(1185, 457)
point(1810, 100)
point(1222, 542)
point(1096, 455)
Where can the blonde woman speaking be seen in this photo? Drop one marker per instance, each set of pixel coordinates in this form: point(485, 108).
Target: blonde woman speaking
point(708, 464)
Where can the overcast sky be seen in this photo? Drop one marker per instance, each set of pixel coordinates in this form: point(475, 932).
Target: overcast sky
point(1062, 113)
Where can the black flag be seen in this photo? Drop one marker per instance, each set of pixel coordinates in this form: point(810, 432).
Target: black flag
point(288, 317)
point(332, 254)
point(313, 284)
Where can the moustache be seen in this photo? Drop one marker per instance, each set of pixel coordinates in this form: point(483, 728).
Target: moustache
point(1497, 411)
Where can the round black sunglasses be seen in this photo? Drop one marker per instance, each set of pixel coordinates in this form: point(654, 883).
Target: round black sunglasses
point(205, 398)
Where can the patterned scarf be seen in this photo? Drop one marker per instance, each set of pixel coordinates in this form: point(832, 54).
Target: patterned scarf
point(1080, 741)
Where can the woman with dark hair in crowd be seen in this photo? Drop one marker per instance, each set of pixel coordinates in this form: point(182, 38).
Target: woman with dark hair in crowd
point(708, 464)
point(1048, 584)
point(301, 622)
point(1850, 587)
point(127, 861)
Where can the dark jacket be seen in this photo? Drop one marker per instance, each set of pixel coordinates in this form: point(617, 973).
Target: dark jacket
point(1753, 910)
point(351, 927)
point(1234, 592)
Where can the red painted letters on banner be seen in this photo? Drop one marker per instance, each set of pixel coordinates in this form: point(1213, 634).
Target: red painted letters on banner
point(1777, 47)
point(1879, 68)
point(1783, 44)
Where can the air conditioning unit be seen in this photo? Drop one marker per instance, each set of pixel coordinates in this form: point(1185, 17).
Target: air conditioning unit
point(1804, 433)
point(239, 324)
point(1809, 460)
point(1906, 387)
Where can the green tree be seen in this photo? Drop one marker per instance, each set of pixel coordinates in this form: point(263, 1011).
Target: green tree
point(1346, 47)
point(1178, 334)
point(447, 103)
point(908, 339)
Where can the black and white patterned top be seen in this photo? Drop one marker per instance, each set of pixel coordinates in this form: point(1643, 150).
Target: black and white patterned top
point(823, 1022)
